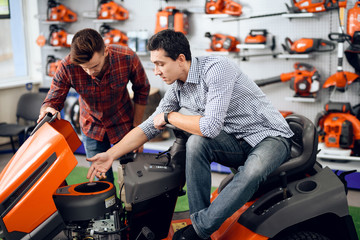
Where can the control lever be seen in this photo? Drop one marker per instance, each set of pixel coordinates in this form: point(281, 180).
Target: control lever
point(48, 118)
point(284, 183)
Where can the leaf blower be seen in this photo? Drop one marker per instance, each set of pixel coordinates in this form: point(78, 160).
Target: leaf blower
point(52, 64)
point(172, 18)
point(223, 7)
point(108, 9)
point(341, 79)
point(304, 80)
point(338, 127)
point(58, 37)
point(112, 35)
point(311, 6)
point(307, 45)
point(59, 12)
point(222, 43)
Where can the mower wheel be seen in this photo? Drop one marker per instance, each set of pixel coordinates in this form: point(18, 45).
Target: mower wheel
point(304, 235)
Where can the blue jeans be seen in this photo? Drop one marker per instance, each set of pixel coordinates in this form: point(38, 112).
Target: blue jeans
point(93, 147)
point(254, 164)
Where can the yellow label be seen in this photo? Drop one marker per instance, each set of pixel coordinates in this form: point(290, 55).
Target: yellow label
point(178, 226)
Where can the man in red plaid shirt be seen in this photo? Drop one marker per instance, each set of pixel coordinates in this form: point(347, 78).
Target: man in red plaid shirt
point(100, 74)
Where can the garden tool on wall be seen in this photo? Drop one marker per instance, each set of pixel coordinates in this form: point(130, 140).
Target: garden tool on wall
point(52, 64)
point(338, 127)
point(59, 12)
point(108, 9)
point(112, 35)
point(312, 6)
point(341, 79)
point(172, 18)
point(223, 7)
point(256, 36)
point(222, 43)
point(307, 45)
point(304, 80)
point(58, 37)
point(352, 53)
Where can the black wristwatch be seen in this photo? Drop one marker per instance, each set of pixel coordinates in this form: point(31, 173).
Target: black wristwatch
point(166, 117)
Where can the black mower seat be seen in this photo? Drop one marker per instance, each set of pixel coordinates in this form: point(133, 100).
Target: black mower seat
point(303, 151)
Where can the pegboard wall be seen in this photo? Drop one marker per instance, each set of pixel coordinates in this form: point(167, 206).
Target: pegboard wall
point(142, 17)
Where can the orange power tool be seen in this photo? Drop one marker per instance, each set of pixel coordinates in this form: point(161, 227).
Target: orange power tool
point(222, 43)
point(172, 18)
point(58, 37)
point(312, 6)
point(223, 7)
point(59, 12)
point(338, 127)
point(112, 35)
point(108, 9)
point(304, 80)
point(51, 65)
point(308, 45)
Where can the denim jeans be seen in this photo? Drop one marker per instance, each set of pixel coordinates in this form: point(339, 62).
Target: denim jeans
point(254, 164)
point(93, 147)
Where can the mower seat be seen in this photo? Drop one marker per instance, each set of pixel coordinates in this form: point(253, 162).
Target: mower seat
point(303, 152)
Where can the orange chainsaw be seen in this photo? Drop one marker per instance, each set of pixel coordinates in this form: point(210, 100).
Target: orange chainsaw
point(313, 6)
point(338, 127)
point(59, 12)
point(108, 9)
point(307, 45)
point(51, 65)
point(223, 7)
point(58, 37)
point(222, 43)
point(304, 80)
point(112, 35)
point(172, 18)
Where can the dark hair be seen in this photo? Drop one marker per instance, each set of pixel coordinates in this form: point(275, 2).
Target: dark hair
point(84, 44)
point(173, 43)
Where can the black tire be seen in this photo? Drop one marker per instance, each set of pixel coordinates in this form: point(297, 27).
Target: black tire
point(304, 235)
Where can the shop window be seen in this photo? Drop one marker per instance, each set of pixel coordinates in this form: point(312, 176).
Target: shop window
point(13, 64)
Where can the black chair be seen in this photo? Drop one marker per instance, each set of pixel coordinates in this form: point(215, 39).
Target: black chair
point(28, 109)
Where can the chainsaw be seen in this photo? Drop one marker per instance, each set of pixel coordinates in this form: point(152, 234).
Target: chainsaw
point(313, 6)
point(222, 43)
point(223, 7)
point(108, 9)
point(304, 80)
point(307, 45)
point(51, 65)
point(58, 37)
point(112, 35)
point(172, 18)
point(338, 127)
point(58, 12)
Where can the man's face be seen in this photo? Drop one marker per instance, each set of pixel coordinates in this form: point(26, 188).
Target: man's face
point(168, 69)
point(96, 63)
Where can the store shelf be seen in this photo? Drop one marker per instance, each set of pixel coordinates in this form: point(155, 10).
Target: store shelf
point(251, 46)
point(298, 15)
point(301, 99)
point(295, 56)
point(53, 22)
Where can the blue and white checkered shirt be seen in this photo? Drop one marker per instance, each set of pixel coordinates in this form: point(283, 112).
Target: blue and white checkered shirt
point(226, 99)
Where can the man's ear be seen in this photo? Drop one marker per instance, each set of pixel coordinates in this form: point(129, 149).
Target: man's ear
point(106, 51)
point(182, 58)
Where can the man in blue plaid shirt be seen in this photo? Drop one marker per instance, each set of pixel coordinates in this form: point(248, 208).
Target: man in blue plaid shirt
point(233, 123)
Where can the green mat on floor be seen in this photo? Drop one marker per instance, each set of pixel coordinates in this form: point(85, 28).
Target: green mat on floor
point(78, 175)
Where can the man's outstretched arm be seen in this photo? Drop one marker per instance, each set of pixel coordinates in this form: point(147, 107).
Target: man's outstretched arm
point(103, 161)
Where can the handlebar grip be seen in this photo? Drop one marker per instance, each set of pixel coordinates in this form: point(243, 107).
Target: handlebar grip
point(48, 118)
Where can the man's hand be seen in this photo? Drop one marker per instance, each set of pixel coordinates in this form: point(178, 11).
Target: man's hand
point(45, 110)
point(101, 163)
point(159, 121)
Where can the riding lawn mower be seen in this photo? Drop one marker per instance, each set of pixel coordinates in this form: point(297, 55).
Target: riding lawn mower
point(299, 200)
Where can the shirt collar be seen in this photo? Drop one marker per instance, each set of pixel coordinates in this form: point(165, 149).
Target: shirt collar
point(194, 72)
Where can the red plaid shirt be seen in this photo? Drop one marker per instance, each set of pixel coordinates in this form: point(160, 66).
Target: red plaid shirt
point(105, 105)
